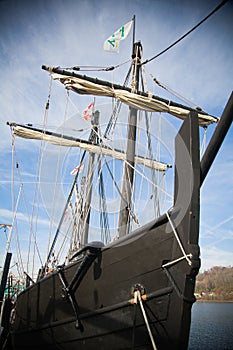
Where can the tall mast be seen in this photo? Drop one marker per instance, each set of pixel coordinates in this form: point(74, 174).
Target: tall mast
point(89, 185)
point(127, 187)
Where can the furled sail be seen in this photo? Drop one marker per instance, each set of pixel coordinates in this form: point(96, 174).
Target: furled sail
point(138, 100)
point(62, 140)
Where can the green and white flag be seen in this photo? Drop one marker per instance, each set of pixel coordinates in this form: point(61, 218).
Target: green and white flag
point(112, 43)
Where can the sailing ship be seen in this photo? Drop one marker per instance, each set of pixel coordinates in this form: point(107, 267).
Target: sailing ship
point(124, 283)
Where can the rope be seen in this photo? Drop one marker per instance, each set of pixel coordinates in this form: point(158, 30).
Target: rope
point(185, 256)
point(105, 232)
point(186, 34)
point(116, 110)
point(96, 68)
point(42, 147)
point(149, 142)
point(203, 145)
point(137, 297)
point(62, 245)
point(57, 174)
point(96, 164)
point(171, 91)
point(15, 206)
point(14, 223)
point(16, 164)
point(176, 260)
point(151, 182)
point(140, 173)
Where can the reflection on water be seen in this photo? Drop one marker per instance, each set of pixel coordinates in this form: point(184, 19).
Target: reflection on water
point(211, 327)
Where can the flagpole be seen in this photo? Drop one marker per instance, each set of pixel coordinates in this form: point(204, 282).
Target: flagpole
point(134, 20)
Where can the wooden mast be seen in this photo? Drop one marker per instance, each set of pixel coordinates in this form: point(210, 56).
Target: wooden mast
point(89, 185)
point(127, 187)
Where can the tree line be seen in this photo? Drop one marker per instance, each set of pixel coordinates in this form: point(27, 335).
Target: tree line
point(215, 284)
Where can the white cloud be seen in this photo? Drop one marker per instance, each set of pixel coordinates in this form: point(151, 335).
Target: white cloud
point(21, 216)
point(215, 257)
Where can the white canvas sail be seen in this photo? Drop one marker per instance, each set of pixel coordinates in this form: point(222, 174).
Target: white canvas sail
point(146, 103)
point(28, 133)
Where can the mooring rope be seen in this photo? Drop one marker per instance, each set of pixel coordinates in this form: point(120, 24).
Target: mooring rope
point(137, 297)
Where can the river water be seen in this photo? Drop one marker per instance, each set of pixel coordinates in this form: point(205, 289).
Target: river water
point(212, 326)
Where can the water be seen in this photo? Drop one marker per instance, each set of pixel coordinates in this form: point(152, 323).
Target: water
point(211, 327)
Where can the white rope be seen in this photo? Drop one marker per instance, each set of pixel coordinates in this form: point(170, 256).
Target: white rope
point(176, 260)
point(96, 162)
point(157, 187)
point(203, 145)
point(175, 93)
point(63, 243)
point(185, 256)
point(14, 211)
point(35, 204)
point(140, 173)
point(146, 178)
point(12, 225)
point(20, 182)
point(94, 68)
point(57, 176)
point(137, 295)
point(16, 236)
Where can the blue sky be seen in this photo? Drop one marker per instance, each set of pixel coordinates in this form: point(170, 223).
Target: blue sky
point(68, 33)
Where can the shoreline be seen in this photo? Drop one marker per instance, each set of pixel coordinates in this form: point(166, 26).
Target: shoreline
point(213, 301)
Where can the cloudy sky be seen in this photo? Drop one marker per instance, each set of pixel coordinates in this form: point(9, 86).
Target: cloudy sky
point(72, 32)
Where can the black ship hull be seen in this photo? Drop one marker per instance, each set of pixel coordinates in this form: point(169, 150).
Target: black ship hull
point(89, 304)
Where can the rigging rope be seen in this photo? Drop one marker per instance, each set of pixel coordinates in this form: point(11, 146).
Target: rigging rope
point(154, 184)
point(139, 172)
point(110, 125)
point(18, 252)
point(185, 255)
point(96, 68)
point(186, 34)
point(16, 236)
point(16, 163)
point(56, 176)
point(62, 245)
point(104, 222)
point(149, 142)
point(105, 236)
point(116, 110)
point(14, 212)
point(203, 145)
point(165, 87)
